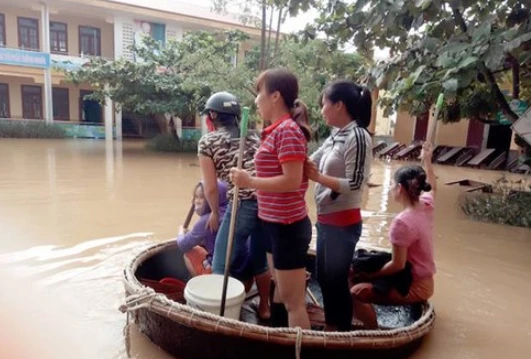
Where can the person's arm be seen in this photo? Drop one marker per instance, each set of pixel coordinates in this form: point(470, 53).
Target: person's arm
point(426, 155)
point(396, 264)
point(290, 179)
point(210, 183)
point(355, 162)
point(318, 154)
point(401, 237)
point(187, 241)
point(291, 149)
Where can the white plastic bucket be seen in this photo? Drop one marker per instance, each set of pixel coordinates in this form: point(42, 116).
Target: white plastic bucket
point(204, 293)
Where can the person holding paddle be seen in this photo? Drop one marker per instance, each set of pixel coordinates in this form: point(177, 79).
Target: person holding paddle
point(218, 153)
point(281, 187)
point(340, 168)
point(198, 243)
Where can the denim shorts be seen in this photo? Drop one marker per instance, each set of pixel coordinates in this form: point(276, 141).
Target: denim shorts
point(288, 243)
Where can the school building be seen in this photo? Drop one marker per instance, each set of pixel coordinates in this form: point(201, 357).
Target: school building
point(466, 133)
point(39, 38)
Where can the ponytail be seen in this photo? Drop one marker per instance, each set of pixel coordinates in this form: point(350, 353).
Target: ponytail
point(299, 114)
point(364, 107)
point(356, 98)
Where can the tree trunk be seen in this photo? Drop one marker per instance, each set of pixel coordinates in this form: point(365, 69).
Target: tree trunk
point(277, 35)
point(516, 77)
point(268, 52)
point(263, 36)
point(162, 123)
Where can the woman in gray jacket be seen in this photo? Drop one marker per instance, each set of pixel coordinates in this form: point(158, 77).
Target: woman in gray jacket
point(340, 168)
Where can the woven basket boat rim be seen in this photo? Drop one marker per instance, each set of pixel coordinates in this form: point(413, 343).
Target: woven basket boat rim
point(186, 315)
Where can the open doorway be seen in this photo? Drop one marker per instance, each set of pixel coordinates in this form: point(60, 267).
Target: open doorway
point(89, 110)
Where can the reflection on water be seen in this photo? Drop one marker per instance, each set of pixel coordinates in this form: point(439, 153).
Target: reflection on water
point(73, 212)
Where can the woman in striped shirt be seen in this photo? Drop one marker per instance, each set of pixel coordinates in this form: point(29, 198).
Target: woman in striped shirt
point(281, 187)
point(340, 169)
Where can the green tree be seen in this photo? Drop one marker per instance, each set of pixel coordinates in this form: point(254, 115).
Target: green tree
point(461, 47)
point(258, 12)
point(179, 77)
point(175, 78)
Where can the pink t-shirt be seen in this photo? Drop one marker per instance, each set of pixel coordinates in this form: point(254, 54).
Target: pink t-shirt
point(413, 229)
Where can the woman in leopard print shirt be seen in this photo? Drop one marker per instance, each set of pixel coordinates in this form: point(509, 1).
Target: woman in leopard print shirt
point(218, 153)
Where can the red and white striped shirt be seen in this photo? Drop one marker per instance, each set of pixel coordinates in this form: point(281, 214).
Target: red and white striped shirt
point(282, 142)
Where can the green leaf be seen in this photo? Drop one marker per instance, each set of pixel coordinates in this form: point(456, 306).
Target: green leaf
point(423, 4)
point(467, 62)
point(414, 76)
point(451, 85)
point(511, 45)
point(482, 32)
point(445, 61)
point(455, 47)
point(494, 56)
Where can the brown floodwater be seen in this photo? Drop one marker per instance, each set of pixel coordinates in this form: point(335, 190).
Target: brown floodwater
point(73, 212)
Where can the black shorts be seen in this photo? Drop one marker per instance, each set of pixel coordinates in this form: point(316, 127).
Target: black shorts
point(288, 243)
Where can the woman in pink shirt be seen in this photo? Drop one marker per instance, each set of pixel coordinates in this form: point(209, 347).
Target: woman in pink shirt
point(412, 239)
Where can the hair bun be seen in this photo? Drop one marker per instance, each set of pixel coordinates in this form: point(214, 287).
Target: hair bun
point(426, 187)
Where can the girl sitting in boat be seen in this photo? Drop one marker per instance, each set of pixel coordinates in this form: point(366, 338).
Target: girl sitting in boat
point(411, 237)
point(198, 244)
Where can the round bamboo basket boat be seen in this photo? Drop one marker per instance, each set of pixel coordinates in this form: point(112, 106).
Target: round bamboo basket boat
point(187, 333)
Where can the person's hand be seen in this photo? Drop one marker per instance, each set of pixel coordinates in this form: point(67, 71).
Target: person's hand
point(310, 170)
point(183, 230)
point(240, 178)
point(212, 223)
point(427, 152)
point(358, 289)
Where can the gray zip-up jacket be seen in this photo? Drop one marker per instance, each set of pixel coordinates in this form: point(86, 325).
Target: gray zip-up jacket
point(347, 155)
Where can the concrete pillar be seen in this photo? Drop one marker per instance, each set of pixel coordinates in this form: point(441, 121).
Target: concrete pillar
point(204, 127)
point(179, 126)
point(118, 124)
point(118, 53)
point(108, 118)
point(45, 33)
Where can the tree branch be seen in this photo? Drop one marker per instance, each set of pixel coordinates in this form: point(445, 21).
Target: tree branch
point(516, 75)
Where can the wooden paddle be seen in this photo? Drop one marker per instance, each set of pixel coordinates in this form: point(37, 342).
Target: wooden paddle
point(189, 216)
point(243, 135)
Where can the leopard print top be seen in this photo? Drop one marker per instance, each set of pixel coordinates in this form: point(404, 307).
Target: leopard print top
point(223, 150)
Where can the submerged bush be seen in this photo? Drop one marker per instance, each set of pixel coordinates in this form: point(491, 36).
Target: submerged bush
point(30, 129)
point(168, 143)
point(505, 206)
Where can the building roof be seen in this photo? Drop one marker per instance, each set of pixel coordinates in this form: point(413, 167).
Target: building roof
point(186, 9)
point(182, 8)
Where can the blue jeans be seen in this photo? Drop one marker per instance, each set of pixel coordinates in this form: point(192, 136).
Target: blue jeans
point(335, 250)
point(247, 225)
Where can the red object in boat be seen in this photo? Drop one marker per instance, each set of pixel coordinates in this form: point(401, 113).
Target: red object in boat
point(171, 287)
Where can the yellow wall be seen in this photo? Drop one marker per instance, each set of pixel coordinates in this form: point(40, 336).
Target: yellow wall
point(15, 95)
point(404, 127)
point(452, 134)
point(73, 23)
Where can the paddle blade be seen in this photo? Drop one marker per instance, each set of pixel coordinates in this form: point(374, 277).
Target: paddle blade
point(440, 100)
point(244, 122)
